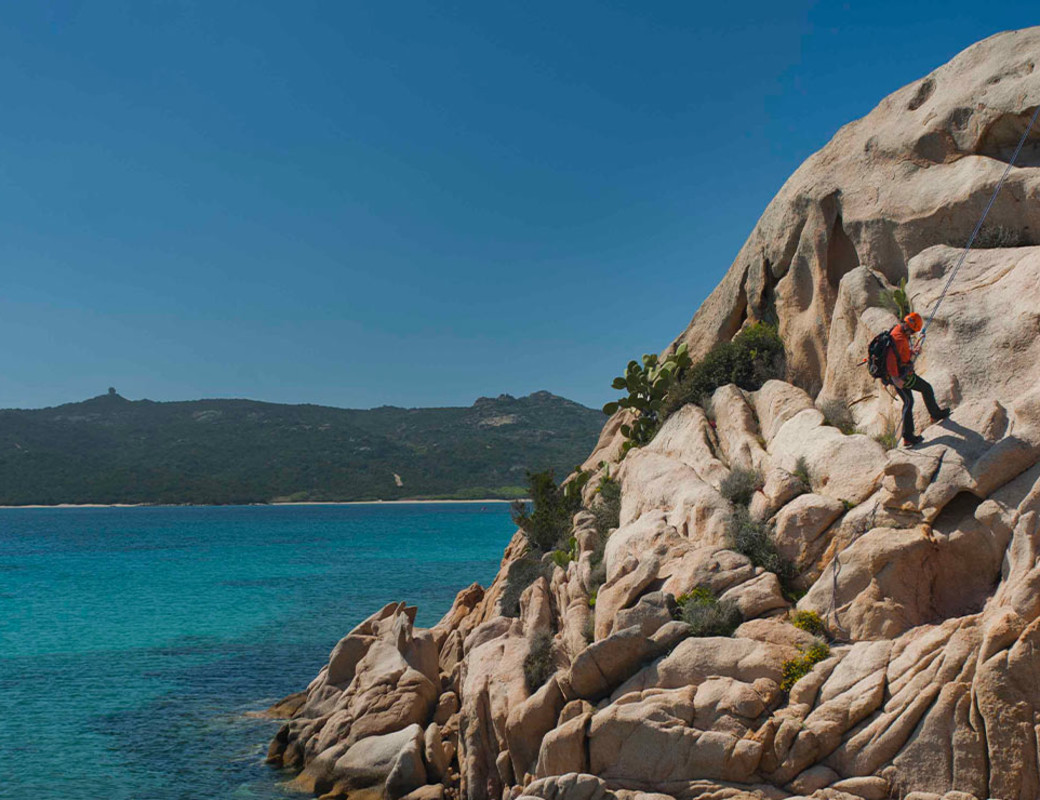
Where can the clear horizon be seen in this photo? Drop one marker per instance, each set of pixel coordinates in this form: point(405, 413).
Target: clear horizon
point(357, 206)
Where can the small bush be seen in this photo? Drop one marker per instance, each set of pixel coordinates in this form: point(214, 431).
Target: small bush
point(1000, 236)
point(838, 415)
point(698, 595)
point(562, 558)
point(522, 573)
point(740, 485)
point(754, 540)
point(547, 521)
point(801, 472)
point(755, 355)
point(889, 438)
point(606, 506)
point(538, 664)
point(797, 668)
point(592, 598)
point(647, 387)
point(808, 621)
point(897, 300)
point(707, 615)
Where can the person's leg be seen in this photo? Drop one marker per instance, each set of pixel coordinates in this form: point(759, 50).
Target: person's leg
point(925, 388)
point(908, 412)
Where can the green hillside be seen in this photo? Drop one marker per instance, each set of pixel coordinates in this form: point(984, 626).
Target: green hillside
point(112, 450)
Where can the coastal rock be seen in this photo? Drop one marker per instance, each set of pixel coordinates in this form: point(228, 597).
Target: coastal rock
point(921, 564)
point(913, 174)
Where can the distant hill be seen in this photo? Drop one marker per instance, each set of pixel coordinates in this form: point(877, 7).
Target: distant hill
point(112, 450)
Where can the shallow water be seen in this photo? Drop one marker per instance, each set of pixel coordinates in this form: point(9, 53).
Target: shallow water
point(134, 640)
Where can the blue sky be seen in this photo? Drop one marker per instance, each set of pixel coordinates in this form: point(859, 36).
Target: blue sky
point(412, 203)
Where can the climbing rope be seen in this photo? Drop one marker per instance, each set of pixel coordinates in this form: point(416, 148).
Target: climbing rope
point(978, 226)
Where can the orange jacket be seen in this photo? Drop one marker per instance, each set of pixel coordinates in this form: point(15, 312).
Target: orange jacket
point(900, 358)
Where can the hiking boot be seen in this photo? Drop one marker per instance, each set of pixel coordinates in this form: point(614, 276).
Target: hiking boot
point(910, 441)
point(944, 413)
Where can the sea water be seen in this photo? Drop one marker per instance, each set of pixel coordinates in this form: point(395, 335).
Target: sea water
point(134, 642)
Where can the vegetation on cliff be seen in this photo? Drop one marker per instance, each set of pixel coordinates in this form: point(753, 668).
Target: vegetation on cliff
point(658, 389)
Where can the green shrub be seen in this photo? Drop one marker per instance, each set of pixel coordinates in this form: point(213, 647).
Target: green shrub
point(538, 663)
point(838, 415)
point(801, 472)
point(888, 438)
point(562, 558)
point(606, 505)
point(740, 485)
point(647, 387)
point(754, 540)
point(592, 598)
point(706, 614)
point(797, 668)
point(606, 508)
point(522, 573)
point(1000, 236)
point(698, 595)
point(755, 355)
point(897, 300)
point(547, 522)
point(808, 621)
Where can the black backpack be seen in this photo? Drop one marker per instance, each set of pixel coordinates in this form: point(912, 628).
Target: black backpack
point(877, 355)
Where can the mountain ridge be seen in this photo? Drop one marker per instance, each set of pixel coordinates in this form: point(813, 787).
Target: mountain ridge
point(109, 449)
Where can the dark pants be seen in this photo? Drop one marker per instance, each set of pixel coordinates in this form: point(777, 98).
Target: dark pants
point(915, 383)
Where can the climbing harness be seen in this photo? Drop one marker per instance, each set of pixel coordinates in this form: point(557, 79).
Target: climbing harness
point(978, 226)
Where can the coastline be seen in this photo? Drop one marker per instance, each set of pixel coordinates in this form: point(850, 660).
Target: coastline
point(404, 501)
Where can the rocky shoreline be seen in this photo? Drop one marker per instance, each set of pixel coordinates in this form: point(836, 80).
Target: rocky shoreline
point(922, 565)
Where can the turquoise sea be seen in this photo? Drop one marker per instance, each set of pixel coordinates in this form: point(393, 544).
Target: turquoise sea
point(133, 641)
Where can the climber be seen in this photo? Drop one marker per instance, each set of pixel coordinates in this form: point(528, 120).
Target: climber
point(900, 373)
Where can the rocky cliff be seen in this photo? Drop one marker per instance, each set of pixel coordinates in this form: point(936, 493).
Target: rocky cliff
point(923, 564)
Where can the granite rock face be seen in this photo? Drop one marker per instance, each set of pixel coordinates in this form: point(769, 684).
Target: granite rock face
point(921, 564)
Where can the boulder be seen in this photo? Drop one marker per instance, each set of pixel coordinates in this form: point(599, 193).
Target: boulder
point(607, 662)
point(393, 760)
point(529, 722)
point(843, 468)
point(759, 596)
point(800, 523)
point(653, 610)
point(652, 741)
point(569, 786)
point(696, 659)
